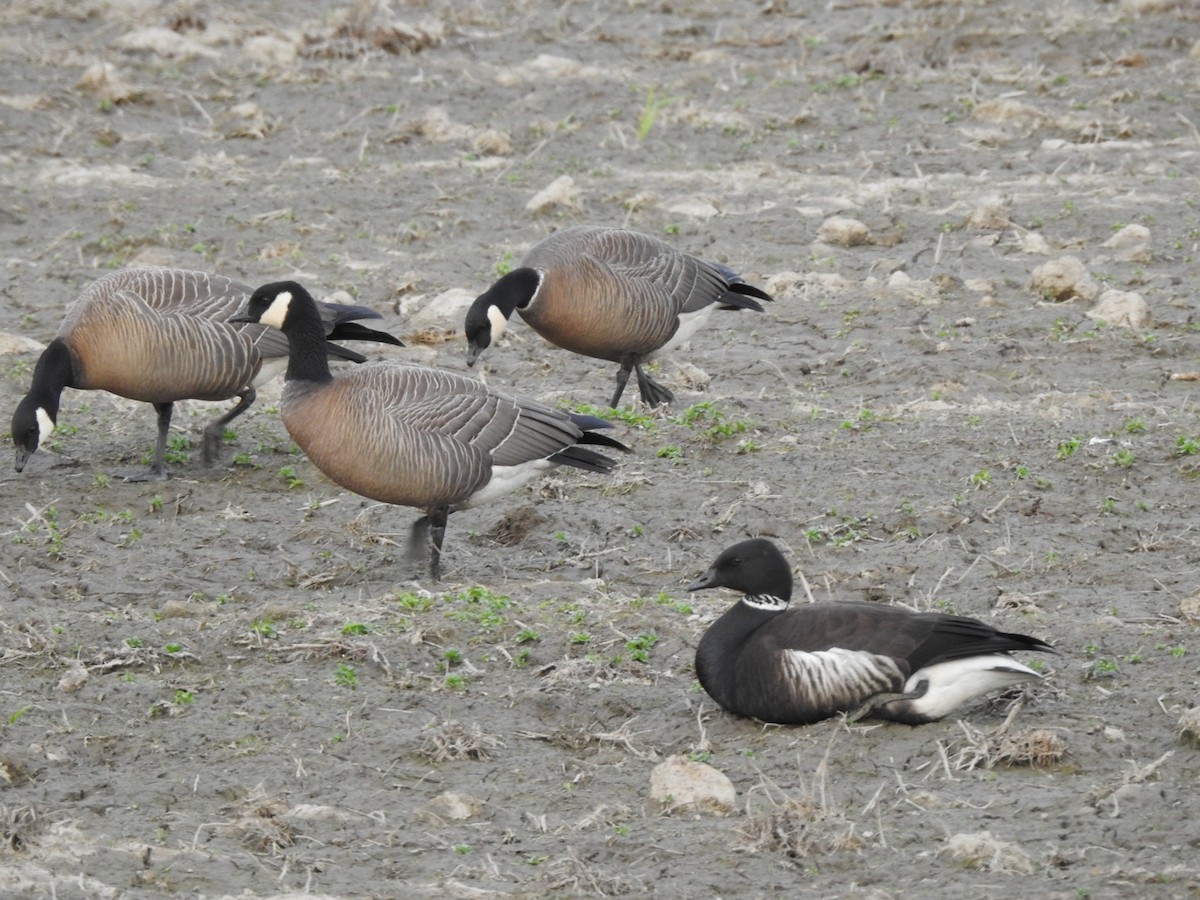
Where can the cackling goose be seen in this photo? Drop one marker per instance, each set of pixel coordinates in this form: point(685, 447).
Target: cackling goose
point(412, 435)
point(161, 335)
point(609, 294)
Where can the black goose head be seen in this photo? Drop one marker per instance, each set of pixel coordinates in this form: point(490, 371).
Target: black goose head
point(756, 567)
point(277, 305)
point(35, 417)
point(489, 314)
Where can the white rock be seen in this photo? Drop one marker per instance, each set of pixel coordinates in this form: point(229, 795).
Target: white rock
point(560, 192)
point(1063, 279)
point(491, 142)
point(104, 80)
point(17, 343)
point(1131, 244)
point(678, 783)
point(450, 806)
point(696, 208)
point(1188, 729)
point(163, 42)
point(979, 850)
point(73, 679)
point(990, 213)
point(1141, 7)
point(1033, 242)
point(270, 50)
point(843, 231)
point(449, 306)
point(1124, 308)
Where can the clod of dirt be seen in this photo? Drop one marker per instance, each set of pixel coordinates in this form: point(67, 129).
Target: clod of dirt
point(1189, 608)
point(979, 850)
point(842, 231)
point(1131, 244)
point(680, 784)
point(73, 679)
point(516, 526)
point(990, 213)
point(104, 81)
point(491, 142)
point(1126, 309)
point(450, 806)
point(1063, 279)
point(560, 192)
point(1188, 729)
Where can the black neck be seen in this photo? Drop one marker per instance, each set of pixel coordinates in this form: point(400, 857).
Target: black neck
point(514, 290)
point(305, 332)
point(54, 371)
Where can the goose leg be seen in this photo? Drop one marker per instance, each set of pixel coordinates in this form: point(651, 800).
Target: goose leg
point(437, 533)
point(622, 380)
point(156, 472)
point(215, 430)
point(426, 536)
point(418, 539)
point(653, 393)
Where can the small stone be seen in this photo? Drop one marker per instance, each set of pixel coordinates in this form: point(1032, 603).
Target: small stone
point(681, 784)
point(448, 306)
point(1063, 279)
point(17, 343)
point(269, 50)
point(105, 81)
point(979, 850)
point(1131, 244)
point(74, 678)
point(1188, 729)
point(842, 231)
point(991, 213)
point(1126, 309)
point(560, 192)
point(1034, 243)
point(492, 142)
point(451, 807)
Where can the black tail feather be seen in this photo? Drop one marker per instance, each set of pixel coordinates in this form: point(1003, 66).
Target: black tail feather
point(352, 331)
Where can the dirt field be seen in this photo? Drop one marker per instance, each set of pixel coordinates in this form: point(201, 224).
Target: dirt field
point(231, 683)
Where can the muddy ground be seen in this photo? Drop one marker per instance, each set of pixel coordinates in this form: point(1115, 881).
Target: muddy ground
point(232, 683)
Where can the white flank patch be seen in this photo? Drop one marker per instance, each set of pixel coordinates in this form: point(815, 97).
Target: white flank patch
point(953, 683)
point(689, 324)
point(505, 480)
point(499, 321)
point(45, 425)
point(838, 676)
point(276, 313)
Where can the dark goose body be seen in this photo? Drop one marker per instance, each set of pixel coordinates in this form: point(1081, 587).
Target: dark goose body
point(798, 665)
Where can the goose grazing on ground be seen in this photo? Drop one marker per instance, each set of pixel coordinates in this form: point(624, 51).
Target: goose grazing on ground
point(162, 335)
point(800, 665)
point(609, 294)
point(415, 436)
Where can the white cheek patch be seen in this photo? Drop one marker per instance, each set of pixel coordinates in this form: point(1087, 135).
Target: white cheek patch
point(277, 311)
point(498, 320)
point(45, 425)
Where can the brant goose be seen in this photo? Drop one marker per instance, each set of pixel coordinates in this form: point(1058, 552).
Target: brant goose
point(800, 665)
